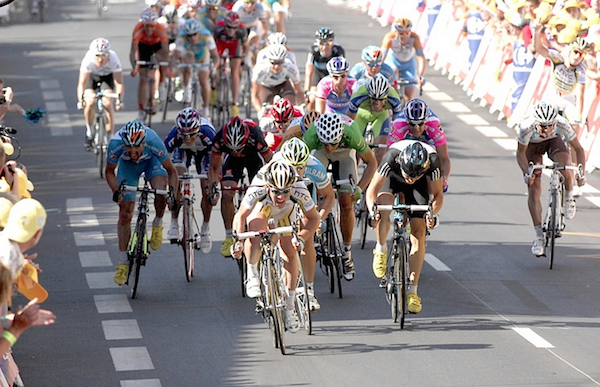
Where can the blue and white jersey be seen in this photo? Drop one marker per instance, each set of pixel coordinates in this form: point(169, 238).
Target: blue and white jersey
point(359, 72)
point(153, 148)
point(182, 153)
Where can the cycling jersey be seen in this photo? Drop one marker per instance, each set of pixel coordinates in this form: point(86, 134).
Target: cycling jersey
point(433, 133)
point(182, 153)
point(90, 66)
point(359, 72)
point(319, 61)
point(172, 29)
point(201, 49)
point(254, 145)
point(528, 131)
point(351, 138)
point(273, 134)
point(334, 102)
point(402, 57)
point(233, 44)
point(158, 34)
point(250, 20)
point(360, 99)
point(208, 22)
point(565, 79)
point(262, 74)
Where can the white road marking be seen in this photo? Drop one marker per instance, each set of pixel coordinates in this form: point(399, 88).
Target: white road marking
point(141, 383)
point(510, 144)
point(53, 95)
point(434, 262)
point(131, 359)
point(472, 119)
point(112, 303)
point(456, 107)
point(491, 131)
point(439, 96)
point(79, 205)
point(533, 337)
point(46, 84)
point(94, 258)
point(121, 329)
point(103, 280)
point(56, 106)
point(87, 220)
point(91, 238)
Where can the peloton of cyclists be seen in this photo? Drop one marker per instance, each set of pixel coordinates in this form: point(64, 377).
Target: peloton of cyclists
point(276, 121)
point(334, 91)
point(255, 19)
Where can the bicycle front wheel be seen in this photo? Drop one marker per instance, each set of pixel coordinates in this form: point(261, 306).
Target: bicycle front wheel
point(187, 241)
point(303, 302)
point(402, 275)
point(136, 260)
point(552, 227)
point(275, 299)
point(100, 140)
point(168, 97)
point(243, 267)
point(99, 5)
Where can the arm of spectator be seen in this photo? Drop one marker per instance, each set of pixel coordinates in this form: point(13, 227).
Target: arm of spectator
point(26, 317)
point(539, 42)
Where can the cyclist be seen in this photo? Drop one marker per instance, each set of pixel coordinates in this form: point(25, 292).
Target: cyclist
point(243, 146)
point(279, 10)
point(100, 69)
point(192, 138)
point(254, 18)
point(299, 125)
point(275, 76)
point(336, 139)
point(314, 173)
point(135, 149)
point(334, 91)
point(412, 170)
point(274, 197)
point(230, 36)
point(171, 21)
point(276, 121)
point(274, 39)
point(372, 103)
point(319, 54)
point(372, 64)
point(418, 122)
point(403, 51)
point(542, 133)
point(211, 14)
point(149, 38)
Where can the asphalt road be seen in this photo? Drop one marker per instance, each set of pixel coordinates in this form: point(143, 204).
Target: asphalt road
point(493, 314)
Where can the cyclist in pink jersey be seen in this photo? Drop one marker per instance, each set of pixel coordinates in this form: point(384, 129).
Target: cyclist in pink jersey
point(334, 91)
point(418, 122)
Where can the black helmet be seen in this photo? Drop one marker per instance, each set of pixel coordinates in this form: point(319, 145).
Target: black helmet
point(324, 34)
point(414, 160)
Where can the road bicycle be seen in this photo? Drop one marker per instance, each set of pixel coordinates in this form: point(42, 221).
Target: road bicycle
point(149, 107)
point(137, 249)
point(173, 87)
point(245, 97)
point(554, 222)
point(329, 246)
point(194, 83)
point(397, 276)
point(99, 133)
point(402, 83)
point(101, 6)
point(221, 110)
point(38, 8)
point(191, 231)
point(272, 301)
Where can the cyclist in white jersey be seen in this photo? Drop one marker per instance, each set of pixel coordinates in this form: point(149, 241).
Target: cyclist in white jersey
point(255, 18)
point(280, 197)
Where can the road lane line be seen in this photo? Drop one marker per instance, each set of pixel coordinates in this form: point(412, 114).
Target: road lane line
point(535, 339)
point(131, 359)
point(434, 262)
point(83, 220)
point(94, 258)
point(103, 280)
point(141, 383)
point(472, 119)
point(112, 303)
point(121, 329)
point(79, 205)
point(89, 238)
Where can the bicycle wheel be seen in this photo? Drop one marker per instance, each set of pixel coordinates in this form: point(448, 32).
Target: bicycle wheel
point(392, 280)
point(335, 254)
point(136, 260)
point(303, 302)
point(363, 220)
point(275, 299)
point(403, 277)
point(552, 226)
point(187, 241)
point(245, 91)
point(99, 5)
point(168, 98)
point(195, 95)
point(100, 141)
point(223, 101)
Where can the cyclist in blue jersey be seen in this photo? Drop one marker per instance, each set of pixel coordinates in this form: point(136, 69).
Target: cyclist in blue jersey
point(299, 125)
point(137, 149)
point(191, 139)
point(371, 65)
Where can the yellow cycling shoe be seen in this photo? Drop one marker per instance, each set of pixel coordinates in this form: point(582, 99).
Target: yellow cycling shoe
point(414, 303)
point(379, 263)
point(157, 237)
point(235, 110)
point(213, 97)
point(121, 274)
point(226, 247)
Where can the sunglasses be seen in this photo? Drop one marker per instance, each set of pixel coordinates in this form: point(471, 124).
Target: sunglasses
point(188, 135)
point(338, 76)
point(332, 145)
point(281, 123)
point(299, 168)
point(101, 55)
point(277, 192)
point(213, 8)
point(416, 123)
point(250, 1)
point(374, 64)
point(545, 126)
point(276, 62)
point(327, 43)
point(230, 27)
point(196, 34)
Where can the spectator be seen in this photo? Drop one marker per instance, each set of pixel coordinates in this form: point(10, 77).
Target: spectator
point(6, 105)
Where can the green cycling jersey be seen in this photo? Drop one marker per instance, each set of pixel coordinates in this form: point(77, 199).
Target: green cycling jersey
point(351, 139)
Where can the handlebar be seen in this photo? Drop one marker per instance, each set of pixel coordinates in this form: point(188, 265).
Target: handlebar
point(555, 166)
point(146, 189)
point(401, 207)
point(190, 176)
point(261, 233)
point(101, 94)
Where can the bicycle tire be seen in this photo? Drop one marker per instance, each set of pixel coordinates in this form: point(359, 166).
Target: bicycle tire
point(551, 231)
point(245, 91)
point(168, 98)
point(187, 242)
point(303, 302)
point(195, 95)
point(363, 221)
point(99, 6)
point(223, 101)
point(404, 280)
point(100, 140)
point(335, 253)
point(392, 280)
point(327, 255)
point(243, 268)
point(135, 261)
point(276, 307)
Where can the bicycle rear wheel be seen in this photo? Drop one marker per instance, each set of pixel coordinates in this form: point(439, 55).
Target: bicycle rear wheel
point(245, 91)
point(100, 141)
point(335, 253)
point(275, 299)
point(552, 227)
point(187, 241)
point(99, 6)
point(403, 278)
point(303, 302)
point(168, 98)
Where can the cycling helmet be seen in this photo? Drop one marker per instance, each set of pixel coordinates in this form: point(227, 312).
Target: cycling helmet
point(324, 34)
point(194, 3)
point(414, 160)
point(580, 44)
point(403, 24)
point(330, 128)
point(276, 52)
point(188, 121)
point(212, 3)
point(295, 152)
point(544, 113)
point(309, 118)
point(337, 65)
point(149, 16)
point(372, 54)
point(191, 27)
point(281, 175)
point(100, 46)
point(170, 12)
point(236, 133)
point(133, 133)
point(277, 38)
point(416, 111)
point(282, 110)
point(378, 87)
point(232, 19)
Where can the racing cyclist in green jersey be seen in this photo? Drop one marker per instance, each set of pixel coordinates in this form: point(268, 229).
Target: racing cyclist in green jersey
point(337, 140)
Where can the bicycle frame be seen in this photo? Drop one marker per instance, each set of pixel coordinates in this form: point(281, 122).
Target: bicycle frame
point(189, 239)
point(100, 140)
point(149, 106)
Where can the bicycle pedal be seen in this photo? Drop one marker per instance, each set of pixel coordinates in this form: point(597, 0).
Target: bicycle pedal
point(383, 283)
point(174, 241)
point(260, 307)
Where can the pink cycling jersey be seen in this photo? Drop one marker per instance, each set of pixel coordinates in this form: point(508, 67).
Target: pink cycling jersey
point(433, 133)
point(333, 101)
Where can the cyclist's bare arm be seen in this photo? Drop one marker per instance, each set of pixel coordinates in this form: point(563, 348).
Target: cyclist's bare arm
point(369, 159)
point(111, 177)
point(375, 186)
point(327, 202)
point(172, 171)
point(436, 190)
point(133, 52)
point(579, 152)
point(239, 220)
point(299, 92)
point(214, 168)
point(442, 151)
point(321, 105)
point(83, 78)
point(313, 221)
point(523, 161)
point(119, 87)
point(256, 102)
point(309, 71)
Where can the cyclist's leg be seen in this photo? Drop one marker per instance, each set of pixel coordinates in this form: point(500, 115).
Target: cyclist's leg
point(235, 65)
point(89, 112)
point(129, 173)
point(409, 71)
point(177, 157)
point(204, 79)
point(157, 175)
point(231, 173)
point(109, 86)
point(346, 167)
point(535, 154)
point(205, 204)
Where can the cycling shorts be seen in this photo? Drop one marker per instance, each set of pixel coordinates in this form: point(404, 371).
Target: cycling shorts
point(407, 70)
point(146, 51)
point(181, 158)
point(100, 82)
point(381, 121)
point(233, 167)
point(417, 193)
point(343, 164)
point(536, 150)
point(266, 94)
point(131, 172)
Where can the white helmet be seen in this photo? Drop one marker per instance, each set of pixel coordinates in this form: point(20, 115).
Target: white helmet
point(212, 3)
point(544, 113)
point(277, 38)
point(277, 52)
point(281, 175)
point(378, 87)
point(330, 128)
point(295, 152)
point(100, 46)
